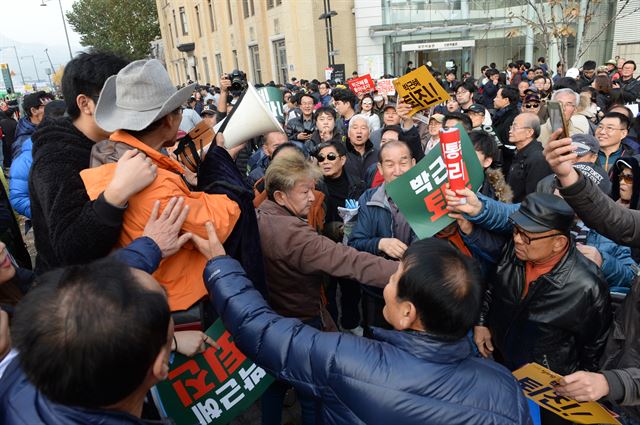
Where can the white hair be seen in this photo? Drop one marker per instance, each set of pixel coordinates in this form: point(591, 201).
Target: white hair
point(567, 90)
point(358, 117)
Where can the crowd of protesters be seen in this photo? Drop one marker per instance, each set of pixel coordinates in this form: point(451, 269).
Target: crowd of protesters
point(135, 231)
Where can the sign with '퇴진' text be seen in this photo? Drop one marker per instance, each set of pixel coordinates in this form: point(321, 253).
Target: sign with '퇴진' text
point(538, 384)
point(212, 387)
point(419, 89)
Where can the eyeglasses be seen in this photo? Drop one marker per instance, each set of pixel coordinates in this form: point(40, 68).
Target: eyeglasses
point(367, 103)
point(531, 105)
point(515, 127)
point(330, 157)
point(627, 178)
point(608, 129)
point(528, 239)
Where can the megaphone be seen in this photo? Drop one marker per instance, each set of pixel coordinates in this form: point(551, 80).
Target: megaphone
point(249, 118)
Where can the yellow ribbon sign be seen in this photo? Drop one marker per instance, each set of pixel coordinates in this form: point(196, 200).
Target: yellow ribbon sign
point(419, 89)
point(538, 385)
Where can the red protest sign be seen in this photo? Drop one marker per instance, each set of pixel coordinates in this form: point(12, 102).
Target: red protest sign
point(362, 84)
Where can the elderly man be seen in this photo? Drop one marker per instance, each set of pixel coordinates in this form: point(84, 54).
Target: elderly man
point(381, 228)
point(421, 372)
point(542, 285)
point(360, 151)
point(147, 120)
point(528, 166)
point(569, 100)
point(611, 131)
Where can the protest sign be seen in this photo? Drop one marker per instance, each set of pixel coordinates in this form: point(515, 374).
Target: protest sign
point(362, 84)
point(385, 86)
point(338, 73)
point(272, 97)
point(419, 89)
point(213, 387)
point(419, 193)
point(538, 385)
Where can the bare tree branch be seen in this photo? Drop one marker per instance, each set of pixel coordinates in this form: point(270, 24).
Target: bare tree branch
point(606, 26)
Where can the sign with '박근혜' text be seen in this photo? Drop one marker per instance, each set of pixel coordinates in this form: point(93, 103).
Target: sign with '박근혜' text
point(212, 387)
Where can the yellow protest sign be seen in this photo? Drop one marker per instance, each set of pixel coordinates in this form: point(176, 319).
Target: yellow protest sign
point(419, 89)
point(538, 385)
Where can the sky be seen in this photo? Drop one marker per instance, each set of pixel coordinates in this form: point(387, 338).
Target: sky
point(33, 28)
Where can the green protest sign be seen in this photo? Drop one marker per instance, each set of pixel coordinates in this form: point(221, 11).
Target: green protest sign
point(272, 97)
point(213, 387)
point(419, 193)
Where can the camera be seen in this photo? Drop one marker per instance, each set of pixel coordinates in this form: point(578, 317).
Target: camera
point(238, 81)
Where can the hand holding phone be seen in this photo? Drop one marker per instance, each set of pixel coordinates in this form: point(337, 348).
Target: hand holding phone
point(556, 118)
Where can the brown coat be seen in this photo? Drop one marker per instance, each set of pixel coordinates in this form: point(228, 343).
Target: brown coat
point(296, 257)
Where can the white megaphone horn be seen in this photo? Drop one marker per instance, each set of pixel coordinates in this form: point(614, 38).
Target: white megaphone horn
point(249, 118)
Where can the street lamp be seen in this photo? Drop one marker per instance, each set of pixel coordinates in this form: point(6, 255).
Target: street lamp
point(327, 15)
point(34, 64)
point(64, 24)
point(17, 58)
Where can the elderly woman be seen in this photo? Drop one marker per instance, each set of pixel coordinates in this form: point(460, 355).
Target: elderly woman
point(297, 259)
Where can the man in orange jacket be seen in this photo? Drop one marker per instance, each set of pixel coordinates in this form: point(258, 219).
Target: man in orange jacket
point(143, 108)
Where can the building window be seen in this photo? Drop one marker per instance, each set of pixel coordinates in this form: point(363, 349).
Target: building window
point(280, 52)
point(253, 8)
point(229, 10)
point(235, 59)
point(183, 21)
point(171, 36)
point(207, 76)
point(212, 16)
point(175, 24)
point(269, 4)
point(278, 2)
point(245, 8)
point(177, 68)
point(198, 21)
point(254, 54)
point(219, 64)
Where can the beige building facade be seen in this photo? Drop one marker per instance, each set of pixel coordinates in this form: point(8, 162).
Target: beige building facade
point(270, 40)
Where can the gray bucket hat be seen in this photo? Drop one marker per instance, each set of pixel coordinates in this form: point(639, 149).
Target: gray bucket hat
point(140, 94)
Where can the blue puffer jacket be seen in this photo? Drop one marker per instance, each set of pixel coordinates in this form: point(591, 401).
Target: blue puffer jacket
point(617, 264)
point(22, 403)
point(19, 182)
point(24, 130)
point(398, 377)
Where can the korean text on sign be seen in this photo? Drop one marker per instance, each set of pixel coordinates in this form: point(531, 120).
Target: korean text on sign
point(538, 384)
point(209, 391)
point(420, 89)
point(362, 84)
point(435, 178)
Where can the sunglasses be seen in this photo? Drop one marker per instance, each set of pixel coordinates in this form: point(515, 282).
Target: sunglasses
point(531, 105)
point(627, 178)
point(330, 157)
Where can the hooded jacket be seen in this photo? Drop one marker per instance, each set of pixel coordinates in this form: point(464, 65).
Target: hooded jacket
point(19, 182)
point(68, 226)
point(24, 130)
point(396, 377)
point(177, 273)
